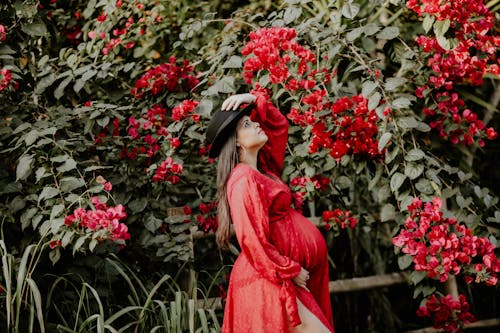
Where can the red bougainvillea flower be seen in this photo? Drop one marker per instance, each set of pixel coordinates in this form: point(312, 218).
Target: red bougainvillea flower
point(474, 55)
point(338, 218)
point(183, 110)
point(102, 219)
point(350, 128)
point(440, 246)
point(272, 50)
point(166, 77)
point(3, 34)
point(207, 219)
point(447, 313)
point(168, 171)
point(5, 78)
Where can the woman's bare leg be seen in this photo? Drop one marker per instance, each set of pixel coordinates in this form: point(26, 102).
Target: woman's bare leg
point(310, 323)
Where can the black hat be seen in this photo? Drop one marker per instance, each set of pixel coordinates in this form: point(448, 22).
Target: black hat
point(221, 126)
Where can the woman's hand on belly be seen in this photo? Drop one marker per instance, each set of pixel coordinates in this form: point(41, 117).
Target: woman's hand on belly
point(301, 279)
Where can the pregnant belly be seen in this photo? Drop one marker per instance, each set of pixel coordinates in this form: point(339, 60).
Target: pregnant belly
point(298, 238)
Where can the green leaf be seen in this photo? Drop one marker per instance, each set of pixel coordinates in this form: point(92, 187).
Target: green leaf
point(462, 202)
point(56, 224)
point(138, 205)
point(78, 85)
point(422, 127)
point(425, 186)
point(69, 184)
point(27, 216)
point(443, 42)
point(388, 33)
point(79, 242)
point(428, 21)
point(350, 10)
point(393, 83)
point(371, 29)
point(205, 107)
point(226, 85)
point(88, 75)
point(68, 165)
point(36, 220)
point(24, 167)
point(417, 276)
point(233, 62)
point(292, 13)
point(47, 193)
point(441, 27)
point(407, 122)
point(152, 223)
point(354, 34)
point(414, 155)
point(44, 83)
point(56, 211)
point(368, 87)
point(55, 255)
point(396, 181)
point(59, 92)
point(405, 261)
point(387, 213)
point(93, 243)
point(43, 61)
point(384, 139)
point(413, 170)
point(401, 103)
point(17, 204)
point(66, 239)
point(374, 100)
point(35, 29)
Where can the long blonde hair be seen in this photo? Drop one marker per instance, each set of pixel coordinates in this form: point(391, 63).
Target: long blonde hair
point(228, 158)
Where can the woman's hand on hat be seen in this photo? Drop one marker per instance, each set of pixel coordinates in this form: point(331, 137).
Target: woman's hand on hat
point(233, 102)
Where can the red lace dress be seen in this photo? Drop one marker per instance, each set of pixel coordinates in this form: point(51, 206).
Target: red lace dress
point(275, 242)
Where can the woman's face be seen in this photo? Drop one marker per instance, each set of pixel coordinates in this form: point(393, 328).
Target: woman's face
point(249, 135)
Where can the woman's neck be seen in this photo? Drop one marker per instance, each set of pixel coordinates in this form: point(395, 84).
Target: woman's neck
point(249, 159)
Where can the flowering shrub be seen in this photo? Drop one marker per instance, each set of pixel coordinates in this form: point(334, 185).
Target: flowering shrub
point(447, 313)
point(207, 219)
point(338, 219)
point(471, 53)
point(440, 246)
point(168, 171)
point(306, 187)
point(348, 129)
point(168, 77)
point(3, 34)
point(91, 227)
point(343, 127)
point(5, 78)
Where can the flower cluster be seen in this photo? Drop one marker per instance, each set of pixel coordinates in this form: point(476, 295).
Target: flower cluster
point(447, 313)
point(344, 127)
point(102, 221)
point(168, 77)
point(305, 187)
point(338, 219)
point(168, 171)
point(148, 133)
point(475, 54)
point(207, 219)
point(349, 128)
point(273, 50)
point(440, 246)
point(3, 34)
point(5, 78)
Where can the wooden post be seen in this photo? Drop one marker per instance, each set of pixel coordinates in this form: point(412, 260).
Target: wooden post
point(188, 280)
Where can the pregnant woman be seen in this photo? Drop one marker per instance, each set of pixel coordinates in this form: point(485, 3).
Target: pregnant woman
point(279, 282)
